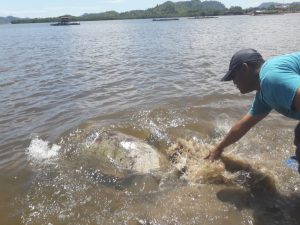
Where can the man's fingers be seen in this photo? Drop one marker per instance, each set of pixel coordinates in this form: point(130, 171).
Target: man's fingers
point(210, 157)
point(207, 157)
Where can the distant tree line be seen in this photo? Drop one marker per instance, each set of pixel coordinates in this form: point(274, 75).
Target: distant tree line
point(165, 10)
point(273, 7)
point(193, 8)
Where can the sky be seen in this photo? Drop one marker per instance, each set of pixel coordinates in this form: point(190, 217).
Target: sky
point(54, 8)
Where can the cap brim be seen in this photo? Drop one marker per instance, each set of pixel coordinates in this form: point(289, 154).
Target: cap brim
point(228, 76)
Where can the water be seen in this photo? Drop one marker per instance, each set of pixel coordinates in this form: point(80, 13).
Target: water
point(156, 81)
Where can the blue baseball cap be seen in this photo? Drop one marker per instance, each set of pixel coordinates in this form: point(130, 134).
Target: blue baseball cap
point(240, 57)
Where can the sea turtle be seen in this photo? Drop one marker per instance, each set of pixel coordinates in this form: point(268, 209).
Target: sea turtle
point(125, 152)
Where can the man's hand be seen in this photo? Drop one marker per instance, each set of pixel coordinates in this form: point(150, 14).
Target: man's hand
point(235, 133)
point(214, 154)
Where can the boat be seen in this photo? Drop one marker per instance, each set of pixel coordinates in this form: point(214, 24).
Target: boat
point(164, 19)
point(266, 12)
point(203, 17)
point(65, 21)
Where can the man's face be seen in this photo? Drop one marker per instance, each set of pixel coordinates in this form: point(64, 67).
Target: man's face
point(244, 79)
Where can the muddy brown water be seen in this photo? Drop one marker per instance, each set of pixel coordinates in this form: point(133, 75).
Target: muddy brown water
point(158, 82)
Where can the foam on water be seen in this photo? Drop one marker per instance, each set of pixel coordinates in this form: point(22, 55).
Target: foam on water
point(40, 150)
point(91, 139)
point(188, 157)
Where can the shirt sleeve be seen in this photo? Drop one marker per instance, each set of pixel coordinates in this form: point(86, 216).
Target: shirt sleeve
point(259, 107)
point(284, 87)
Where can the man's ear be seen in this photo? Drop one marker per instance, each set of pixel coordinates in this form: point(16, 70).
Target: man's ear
point(245, 67)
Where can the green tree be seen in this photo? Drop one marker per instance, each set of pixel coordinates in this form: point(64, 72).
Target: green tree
point(236, 10)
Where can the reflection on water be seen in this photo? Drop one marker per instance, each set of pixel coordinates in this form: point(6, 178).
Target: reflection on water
point(156, 82)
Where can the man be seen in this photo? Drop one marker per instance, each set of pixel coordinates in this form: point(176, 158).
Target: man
point(297, 144)
point(276, 83)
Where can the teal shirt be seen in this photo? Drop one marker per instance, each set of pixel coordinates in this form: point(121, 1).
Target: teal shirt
point(279, 81)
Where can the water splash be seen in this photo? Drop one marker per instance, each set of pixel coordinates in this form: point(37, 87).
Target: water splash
point(188, 158)
point(223, 125)
point(40, 150)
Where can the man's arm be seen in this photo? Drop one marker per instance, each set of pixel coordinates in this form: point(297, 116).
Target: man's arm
point(296, 101)
point(235, 134)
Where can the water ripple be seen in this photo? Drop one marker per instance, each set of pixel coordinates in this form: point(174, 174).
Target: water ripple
point(106, 72)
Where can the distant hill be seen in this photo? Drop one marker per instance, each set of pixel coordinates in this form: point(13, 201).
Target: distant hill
point(212, 5)
point(8, 19)
point(167, 9)
point(266, 5)
point(104, 15)
point(295, 3)
point(185, 7)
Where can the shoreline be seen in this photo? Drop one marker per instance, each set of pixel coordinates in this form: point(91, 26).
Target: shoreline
point(151, 18)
